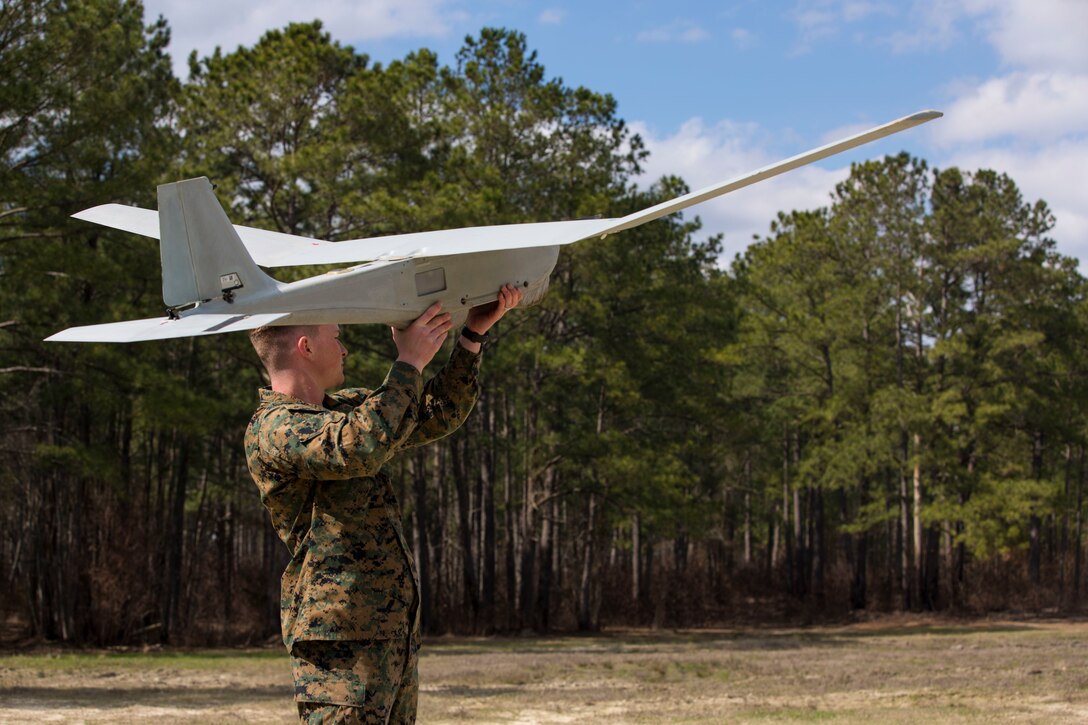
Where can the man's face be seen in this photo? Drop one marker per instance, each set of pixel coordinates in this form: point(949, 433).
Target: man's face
point(328, 356)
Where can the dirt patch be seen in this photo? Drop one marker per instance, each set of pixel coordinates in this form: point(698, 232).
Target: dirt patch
point(905, 671)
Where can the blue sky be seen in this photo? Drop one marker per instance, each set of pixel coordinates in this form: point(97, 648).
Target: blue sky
point(720, 88)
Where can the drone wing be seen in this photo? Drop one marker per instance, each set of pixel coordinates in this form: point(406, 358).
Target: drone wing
point(275, 249)
point(767, 172)
point(164, 328)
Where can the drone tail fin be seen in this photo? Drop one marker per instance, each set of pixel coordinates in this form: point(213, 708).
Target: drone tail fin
point(202, 255)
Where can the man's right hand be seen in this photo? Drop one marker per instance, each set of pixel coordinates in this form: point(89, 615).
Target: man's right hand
point(418, 343)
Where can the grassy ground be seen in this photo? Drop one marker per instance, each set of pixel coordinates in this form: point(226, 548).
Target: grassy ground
point(894, 671)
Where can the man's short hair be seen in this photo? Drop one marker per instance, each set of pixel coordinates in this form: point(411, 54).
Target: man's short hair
point(274, 343)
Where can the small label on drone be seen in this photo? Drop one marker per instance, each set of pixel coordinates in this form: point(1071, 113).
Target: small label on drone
point(430, 282)
point(229, 281)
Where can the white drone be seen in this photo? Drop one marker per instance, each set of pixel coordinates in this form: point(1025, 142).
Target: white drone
point(212, 281)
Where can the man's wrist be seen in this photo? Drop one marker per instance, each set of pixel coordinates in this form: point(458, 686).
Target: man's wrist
point(474, 335)
point(414, 364)
point(470, 346)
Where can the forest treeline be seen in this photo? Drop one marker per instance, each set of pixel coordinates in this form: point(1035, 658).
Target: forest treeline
point(878, 406)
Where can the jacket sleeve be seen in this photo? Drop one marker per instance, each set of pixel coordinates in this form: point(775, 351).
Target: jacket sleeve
point(448, 398)
point(329, 445)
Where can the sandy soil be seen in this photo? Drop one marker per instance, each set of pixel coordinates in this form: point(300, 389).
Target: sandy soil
point(893, 671)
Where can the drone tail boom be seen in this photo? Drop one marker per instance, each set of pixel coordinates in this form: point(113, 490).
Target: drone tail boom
point(202, 256)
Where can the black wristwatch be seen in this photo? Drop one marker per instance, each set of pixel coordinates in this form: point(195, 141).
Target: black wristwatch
point(474, 336)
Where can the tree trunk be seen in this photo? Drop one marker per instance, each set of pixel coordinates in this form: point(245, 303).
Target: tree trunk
point(470, 596)
point(819, 548)
point(1034, 523)
point(529, 541)
point(547, 543)
point(423, 541)
point(439, 538)
point(787, 531)
point(908, 582)
point(748, 508)
point(586, 622)
point(931, 582)
point(174, 541)
point(487, 475)
point(1077, 535)
point(924, 595)
point(510, 542)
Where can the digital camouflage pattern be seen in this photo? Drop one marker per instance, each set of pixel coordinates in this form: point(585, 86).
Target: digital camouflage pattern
point(349, 682)
point(320, 473)
point(312, 713)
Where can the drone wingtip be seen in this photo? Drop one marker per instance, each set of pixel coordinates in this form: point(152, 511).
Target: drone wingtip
point(923, 116)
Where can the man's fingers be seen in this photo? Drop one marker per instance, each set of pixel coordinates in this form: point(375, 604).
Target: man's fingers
point(510, 296)
point(443, 319)
point(428, 314)
point(434, 321)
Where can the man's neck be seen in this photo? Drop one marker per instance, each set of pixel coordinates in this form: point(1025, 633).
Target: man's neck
point(299, 386)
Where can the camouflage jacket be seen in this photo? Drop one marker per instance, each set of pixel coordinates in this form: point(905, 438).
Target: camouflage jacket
point(321, 476)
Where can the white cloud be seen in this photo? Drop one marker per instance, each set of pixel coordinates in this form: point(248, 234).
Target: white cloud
point(856, 10)
point(203, 24)
point(818, 20)
point(1032, 34)
point(678, 31)
point(815, 24)
point(1033, 107)
point(1048, 34)
point(929, 24)
point(743, 38)
point(551, 16)
point(703, 155)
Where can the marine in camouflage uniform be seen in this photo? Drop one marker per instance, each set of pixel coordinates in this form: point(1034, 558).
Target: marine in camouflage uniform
point(349, 596)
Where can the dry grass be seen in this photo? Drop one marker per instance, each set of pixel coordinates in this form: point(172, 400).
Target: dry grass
point(904, 670)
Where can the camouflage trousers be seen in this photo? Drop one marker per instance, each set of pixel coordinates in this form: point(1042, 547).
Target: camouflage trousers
point(357, 682)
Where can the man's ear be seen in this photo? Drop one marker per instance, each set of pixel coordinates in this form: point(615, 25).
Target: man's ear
point(303, 347)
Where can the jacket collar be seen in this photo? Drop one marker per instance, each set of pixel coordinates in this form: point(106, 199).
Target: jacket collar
point(268, 396)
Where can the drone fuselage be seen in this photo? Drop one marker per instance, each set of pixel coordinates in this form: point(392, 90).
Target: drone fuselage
point(395, 292)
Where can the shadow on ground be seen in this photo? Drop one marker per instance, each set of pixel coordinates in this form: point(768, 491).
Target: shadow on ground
point(623, 641)
point(123, 697)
